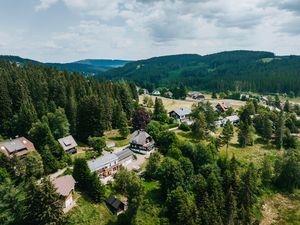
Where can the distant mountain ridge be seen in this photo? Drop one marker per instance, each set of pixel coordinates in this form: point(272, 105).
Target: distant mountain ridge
point(86, 66)
point(240, 70)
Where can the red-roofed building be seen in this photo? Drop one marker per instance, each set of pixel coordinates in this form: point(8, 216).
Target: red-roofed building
point(221, 107)
point(19, 147)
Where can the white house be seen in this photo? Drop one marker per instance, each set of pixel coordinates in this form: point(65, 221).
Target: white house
point(181, 115)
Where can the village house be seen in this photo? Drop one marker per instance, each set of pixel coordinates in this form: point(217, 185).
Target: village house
point(65, 187)
point(19, 147)
point(104, 166)
point(168, 94)
point(156, 92)
point(196, 95)
point(181, 115)
point(68, 144)
point(141, 142)
point(117, 206)
point(234, 119)
point(108, 165)
point(125, 157)
point(221, 107)
point(264, 100)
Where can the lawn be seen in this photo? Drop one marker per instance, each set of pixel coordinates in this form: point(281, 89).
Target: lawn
point(114, 136)
point(87, 213)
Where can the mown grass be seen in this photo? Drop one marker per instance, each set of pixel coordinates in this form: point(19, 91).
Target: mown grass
point(88, 213)
point(114, 136)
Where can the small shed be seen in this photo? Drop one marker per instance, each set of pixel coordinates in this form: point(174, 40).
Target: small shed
point(116, 205)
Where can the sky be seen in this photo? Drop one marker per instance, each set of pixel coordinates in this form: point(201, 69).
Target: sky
point(69, 30)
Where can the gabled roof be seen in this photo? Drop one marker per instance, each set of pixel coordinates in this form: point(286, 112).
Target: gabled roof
point(19, 146)
point(182, 111)
point(124, 154)
point(64, 185)
point(222, 106)
point(139, 137)
point(101, 162)
point(115, 203)
point(67, 142)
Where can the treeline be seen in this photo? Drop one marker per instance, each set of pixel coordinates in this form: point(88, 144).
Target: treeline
point(44, 104)
point(234, 71)
point(29, 92)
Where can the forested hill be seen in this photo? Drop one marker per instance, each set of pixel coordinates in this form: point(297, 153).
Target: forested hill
point(233, 70)
point(86, 66)
point(30, 92)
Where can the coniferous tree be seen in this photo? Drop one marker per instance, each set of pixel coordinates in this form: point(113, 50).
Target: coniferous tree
point(159, 113)
point(89, 118)
point(245, 135)
point(81, 173)
point(123, 126)
point(11, 206)
point(227, 134)
point(6, 108)
point(279, 131)
point(248, 195)
point(231, 211)
point(96, 189)
point(43, 205)
point(180, 208)
point(199, 126)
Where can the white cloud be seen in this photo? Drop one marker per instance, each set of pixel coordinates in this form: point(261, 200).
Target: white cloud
point(45, 4)
point(143, 28)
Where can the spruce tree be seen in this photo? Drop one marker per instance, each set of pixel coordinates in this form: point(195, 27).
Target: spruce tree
point(43, 205)
point(81, 173)
point(279, 131)
point(227, 134)
point(123, 126)
point(199, 127)
point(6, 108)
point(159, 113)
point(96, 189)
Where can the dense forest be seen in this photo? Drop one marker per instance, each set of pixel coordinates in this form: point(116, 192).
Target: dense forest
point(45, 104)
point(235, 71)
point(192, 178)
point(87, 66)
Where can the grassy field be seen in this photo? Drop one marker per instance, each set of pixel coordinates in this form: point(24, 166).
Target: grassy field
point(114, 136)
point(88, 213)
point(171, 104)
point(281, 209)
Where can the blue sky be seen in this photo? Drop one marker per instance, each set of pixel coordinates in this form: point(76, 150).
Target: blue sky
point(68, 30)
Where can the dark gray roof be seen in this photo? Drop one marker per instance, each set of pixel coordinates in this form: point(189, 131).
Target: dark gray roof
point(139, 137)
point(67, 142)
point(182, 111)
point(115, 203)
point(124, 154)
point(101, 162)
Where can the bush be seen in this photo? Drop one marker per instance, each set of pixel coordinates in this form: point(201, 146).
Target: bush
point(97, 143)
point(184, 127)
